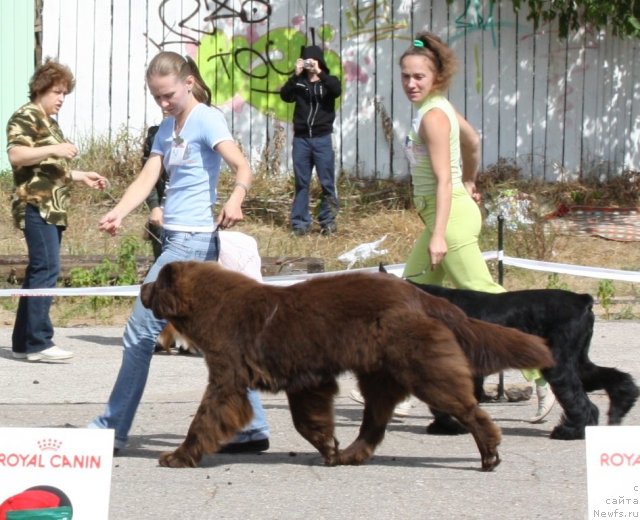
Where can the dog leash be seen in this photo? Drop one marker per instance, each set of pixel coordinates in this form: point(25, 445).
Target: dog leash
point(415, 275)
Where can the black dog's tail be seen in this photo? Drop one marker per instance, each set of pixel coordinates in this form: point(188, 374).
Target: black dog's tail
point(489, 347)
point(622, 390)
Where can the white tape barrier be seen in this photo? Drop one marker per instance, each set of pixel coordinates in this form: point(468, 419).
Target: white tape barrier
point(134, 290)
point(396, 269)
point(120, 290)
point(291, 279)
point(575, 270)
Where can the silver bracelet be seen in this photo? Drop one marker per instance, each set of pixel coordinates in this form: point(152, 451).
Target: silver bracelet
point(243, 186)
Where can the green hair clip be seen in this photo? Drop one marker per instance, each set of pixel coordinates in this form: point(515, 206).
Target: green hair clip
point(418, 43)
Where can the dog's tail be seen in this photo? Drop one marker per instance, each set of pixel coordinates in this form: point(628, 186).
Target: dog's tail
point(490, 347)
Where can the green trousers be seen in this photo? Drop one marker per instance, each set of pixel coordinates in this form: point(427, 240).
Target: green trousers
point(463, 264)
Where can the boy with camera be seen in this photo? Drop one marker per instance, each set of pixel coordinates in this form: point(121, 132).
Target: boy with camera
point(314, 92)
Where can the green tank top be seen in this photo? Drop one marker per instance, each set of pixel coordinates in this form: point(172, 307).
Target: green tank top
point(424, 181)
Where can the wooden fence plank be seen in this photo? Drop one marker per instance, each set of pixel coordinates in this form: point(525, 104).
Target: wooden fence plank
point(573, 104)
point(540, 96)
point(524, 96)
point(592, 104)
point(524, 92)
point(507, 83)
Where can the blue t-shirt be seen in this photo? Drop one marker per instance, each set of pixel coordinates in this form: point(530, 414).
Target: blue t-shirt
point(193, 168)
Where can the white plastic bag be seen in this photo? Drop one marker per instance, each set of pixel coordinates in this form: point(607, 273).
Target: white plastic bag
point(363, 252)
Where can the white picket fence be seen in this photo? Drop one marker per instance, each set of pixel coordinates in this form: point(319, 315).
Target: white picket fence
point(555, 108)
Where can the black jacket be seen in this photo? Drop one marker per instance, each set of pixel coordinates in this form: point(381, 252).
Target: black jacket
point(315, 110)
point(154, 199)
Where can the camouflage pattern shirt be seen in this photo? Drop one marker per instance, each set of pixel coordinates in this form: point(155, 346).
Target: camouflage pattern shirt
point(45, 185)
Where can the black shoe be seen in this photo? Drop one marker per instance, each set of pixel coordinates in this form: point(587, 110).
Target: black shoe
point(182, 351)
point(329, 229)
point(299, 232)
point(116, 452)
point(246, 447)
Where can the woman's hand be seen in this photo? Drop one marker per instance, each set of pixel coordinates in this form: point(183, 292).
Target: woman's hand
point(230, 214)
point(472, 190)
point(437, 250)
point(110, 223)
point(65, 150)
point(299, 66)
point(92, 179)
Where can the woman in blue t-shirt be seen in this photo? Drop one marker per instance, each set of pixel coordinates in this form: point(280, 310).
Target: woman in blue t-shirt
point(191, 144)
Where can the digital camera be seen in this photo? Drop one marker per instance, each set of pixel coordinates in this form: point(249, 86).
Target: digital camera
point(308, 64)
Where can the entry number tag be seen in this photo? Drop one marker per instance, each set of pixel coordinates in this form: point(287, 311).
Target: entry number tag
point(178, 150)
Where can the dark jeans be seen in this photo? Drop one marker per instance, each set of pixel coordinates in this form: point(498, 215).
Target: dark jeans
point(33, 330)
point(307, 153)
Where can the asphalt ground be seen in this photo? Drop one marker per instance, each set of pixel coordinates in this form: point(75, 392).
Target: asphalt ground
point(412, 474)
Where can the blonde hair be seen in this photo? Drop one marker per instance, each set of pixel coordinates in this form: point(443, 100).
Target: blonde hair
point(167, 63)
point(443, 58)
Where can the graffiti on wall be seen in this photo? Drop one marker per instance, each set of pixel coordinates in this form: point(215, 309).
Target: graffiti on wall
point(374, 21)
point(474, 18)
point(576, 97)
point(248, 67)
point(243, 71)
point(204, 16)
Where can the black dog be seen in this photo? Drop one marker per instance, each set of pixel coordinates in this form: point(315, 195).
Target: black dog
point(565, 319)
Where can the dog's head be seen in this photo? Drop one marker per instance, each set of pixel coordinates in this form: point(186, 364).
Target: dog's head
point(170, 295)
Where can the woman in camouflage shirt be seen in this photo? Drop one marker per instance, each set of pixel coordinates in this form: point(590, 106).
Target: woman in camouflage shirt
point(40, 158)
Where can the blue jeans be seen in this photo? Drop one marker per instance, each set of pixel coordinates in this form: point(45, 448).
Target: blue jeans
point(139, 343)
point(308, 152)
point(33, 330)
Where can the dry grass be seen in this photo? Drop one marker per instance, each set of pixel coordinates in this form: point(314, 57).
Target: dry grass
point(370, 210)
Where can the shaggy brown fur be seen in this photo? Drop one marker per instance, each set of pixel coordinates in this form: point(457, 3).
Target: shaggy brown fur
point(395, 338)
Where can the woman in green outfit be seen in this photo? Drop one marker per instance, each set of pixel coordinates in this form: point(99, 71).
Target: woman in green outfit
point(444, 153)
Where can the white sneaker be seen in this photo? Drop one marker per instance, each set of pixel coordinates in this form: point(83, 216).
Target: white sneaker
point(401, 410)
point(50, 354)
point(356, 396)
point(546, 400)
point(19, 355)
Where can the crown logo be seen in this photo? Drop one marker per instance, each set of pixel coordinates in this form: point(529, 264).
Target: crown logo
point(49, 444)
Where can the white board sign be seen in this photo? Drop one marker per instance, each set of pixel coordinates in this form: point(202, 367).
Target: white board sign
point(76, 461)
point(613, 471)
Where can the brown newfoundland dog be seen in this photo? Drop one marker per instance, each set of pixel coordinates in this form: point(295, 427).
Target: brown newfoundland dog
point(396, 339)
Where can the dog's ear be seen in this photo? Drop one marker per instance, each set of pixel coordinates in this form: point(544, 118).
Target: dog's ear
point(381, 268)
point(169, 300)
point(166, 276)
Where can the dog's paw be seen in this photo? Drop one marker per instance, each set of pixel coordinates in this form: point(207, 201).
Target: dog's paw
point(355, 454)
point(567, 433)
point(489, 463)
point(173, 459)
